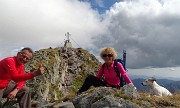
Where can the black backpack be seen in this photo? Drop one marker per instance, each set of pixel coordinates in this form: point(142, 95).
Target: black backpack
point(123, 62)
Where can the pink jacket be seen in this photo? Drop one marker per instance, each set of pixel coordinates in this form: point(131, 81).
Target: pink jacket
point(111, 76)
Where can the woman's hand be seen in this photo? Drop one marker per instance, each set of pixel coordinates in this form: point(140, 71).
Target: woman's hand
point(132, 85)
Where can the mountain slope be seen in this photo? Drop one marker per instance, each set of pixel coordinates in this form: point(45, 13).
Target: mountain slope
point(65, 70)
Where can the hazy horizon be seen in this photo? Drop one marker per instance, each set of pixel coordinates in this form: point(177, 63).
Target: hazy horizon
point(168, 72)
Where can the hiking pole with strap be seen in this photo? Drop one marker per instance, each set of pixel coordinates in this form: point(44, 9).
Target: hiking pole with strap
point(124, 59)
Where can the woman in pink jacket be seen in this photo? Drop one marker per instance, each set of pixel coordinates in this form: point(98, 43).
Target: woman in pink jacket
point(111, 79)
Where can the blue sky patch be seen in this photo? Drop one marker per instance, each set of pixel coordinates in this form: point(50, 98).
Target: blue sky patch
point(101, 5)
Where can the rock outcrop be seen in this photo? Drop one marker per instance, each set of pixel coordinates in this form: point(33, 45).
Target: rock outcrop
point(102, 97)
point(65, 71)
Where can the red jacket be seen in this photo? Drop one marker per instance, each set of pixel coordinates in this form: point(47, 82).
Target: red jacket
point(11, 70)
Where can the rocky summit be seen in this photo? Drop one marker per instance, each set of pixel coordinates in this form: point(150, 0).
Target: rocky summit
point(65, 70)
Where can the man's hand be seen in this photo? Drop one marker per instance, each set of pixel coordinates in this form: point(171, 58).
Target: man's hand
point(12, 94)
point(39, 71)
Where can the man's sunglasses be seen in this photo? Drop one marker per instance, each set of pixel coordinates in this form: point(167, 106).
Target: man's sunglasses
point(24, 56)
point(107, 55)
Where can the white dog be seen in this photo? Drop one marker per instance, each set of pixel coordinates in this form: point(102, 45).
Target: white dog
point(155, 89)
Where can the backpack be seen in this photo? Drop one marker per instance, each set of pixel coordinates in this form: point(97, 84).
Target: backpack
point(122, 81)
point(123, 62)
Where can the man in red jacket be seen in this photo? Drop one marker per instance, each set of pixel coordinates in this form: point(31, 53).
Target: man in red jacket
point(12, 68)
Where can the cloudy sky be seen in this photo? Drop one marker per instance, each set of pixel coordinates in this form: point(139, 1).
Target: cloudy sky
point(149, 30)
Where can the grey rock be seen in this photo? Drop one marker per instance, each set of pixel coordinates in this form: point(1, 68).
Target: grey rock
point(102, 97)
point(64, 105)
point(130, 91)
point(85, 101)
point(107, 102)
point(146, 104)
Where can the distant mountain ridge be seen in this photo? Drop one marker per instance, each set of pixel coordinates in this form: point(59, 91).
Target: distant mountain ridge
point(172, 86)
point(146, 76)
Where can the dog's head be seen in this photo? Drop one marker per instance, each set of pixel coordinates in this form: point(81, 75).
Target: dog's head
point(148, 82)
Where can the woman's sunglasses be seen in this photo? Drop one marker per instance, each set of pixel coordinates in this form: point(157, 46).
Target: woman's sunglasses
point(107, 55)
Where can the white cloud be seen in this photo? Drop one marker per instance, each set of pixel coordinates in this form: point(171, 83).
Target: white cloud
point(43, 23)
point(100, 3)
point(147, 29)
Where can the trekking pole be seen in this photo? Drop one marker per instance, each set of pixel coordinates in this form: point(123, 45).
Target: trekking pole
point(124, 58)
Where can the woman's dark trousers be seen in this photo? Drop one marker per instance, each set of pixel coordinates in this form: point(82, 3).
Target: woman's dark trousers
point(91, 81)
